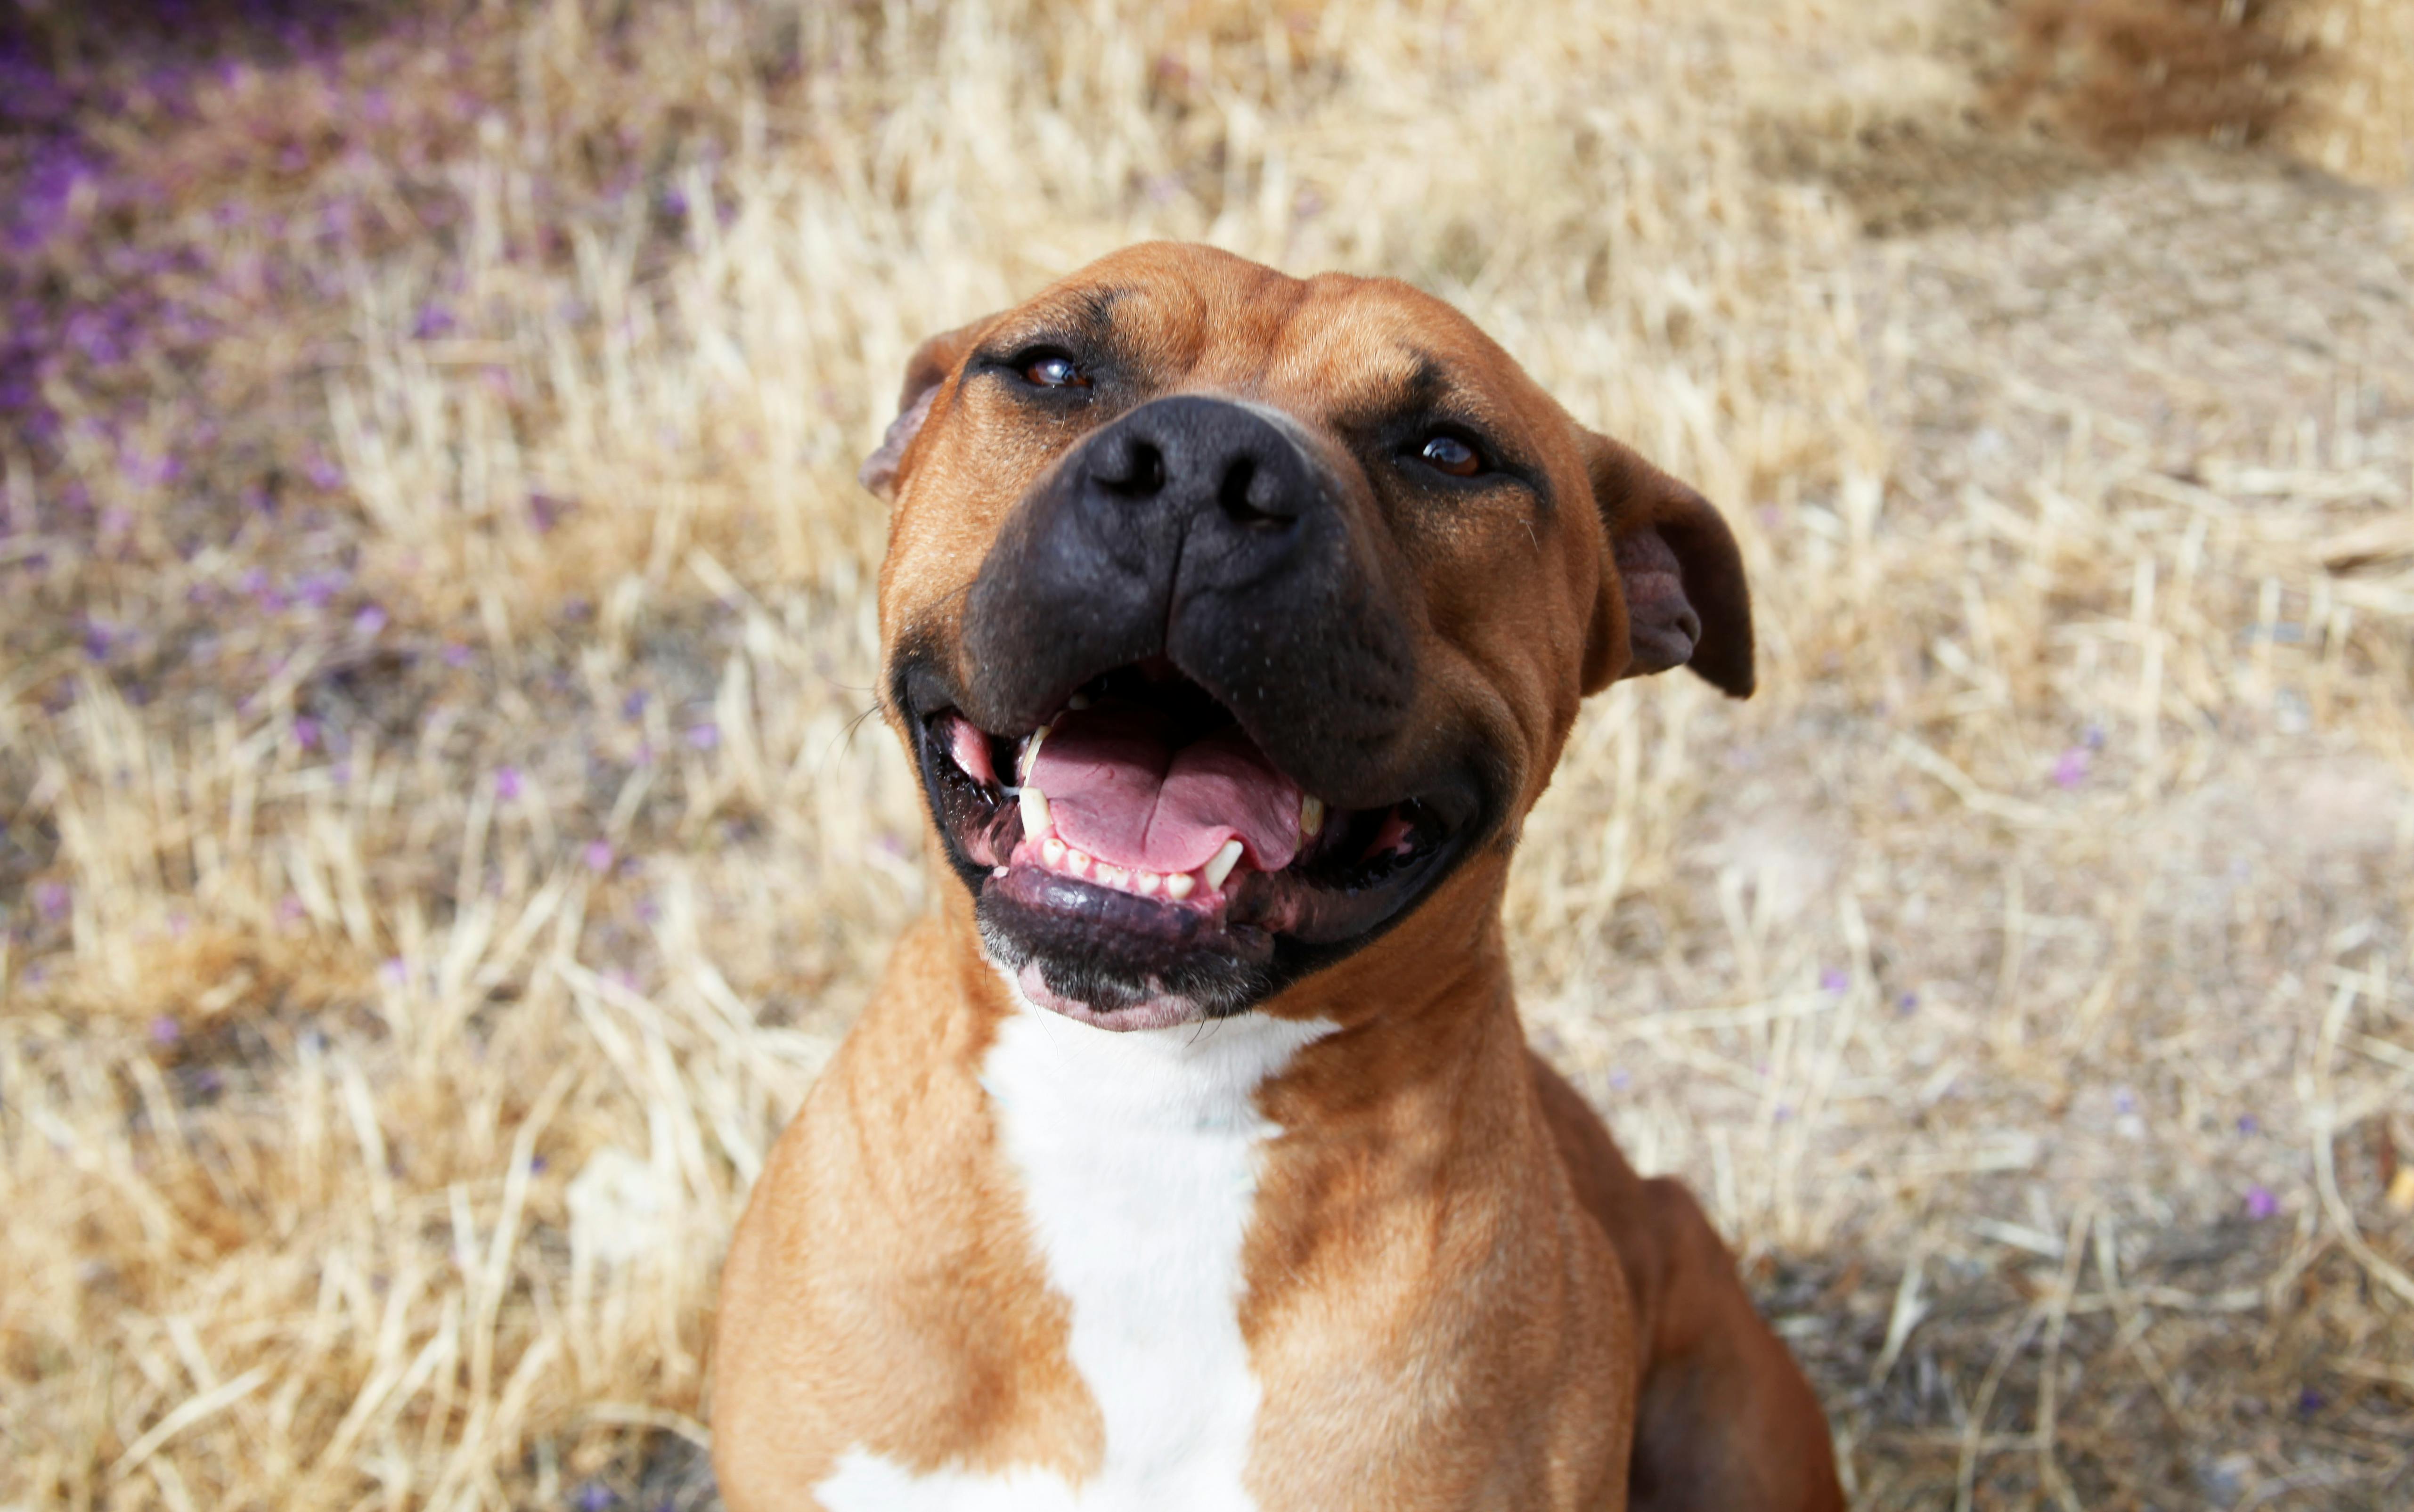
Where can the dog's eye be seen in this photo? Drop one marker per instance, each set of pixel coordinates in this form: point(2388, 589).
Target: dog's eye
point(1053, 370)
point(1449, 454)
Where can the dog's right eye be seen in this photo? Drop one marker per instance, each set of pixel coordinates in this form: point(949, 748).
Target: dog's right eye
point(1051, 370)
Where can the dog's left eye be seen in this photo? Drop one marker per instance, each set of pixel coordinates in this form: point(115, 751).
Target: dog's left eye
point(1451, 455)
point(1053, 370)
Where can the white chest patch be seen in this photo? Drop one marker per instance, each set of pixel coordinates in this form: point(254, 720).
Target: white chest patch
point(1139, 1157)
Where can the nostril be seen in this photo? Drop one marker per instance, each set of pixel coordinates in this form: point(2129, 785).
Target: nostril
point(1137, 473)
point(1245, 495)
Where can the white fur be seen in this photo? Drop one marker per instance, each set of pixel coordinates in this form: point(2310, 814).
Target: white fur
point(1138, 1156)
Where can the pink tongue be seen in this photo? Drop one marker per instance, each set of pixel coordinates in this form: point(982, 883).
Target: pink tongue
point(1116, 789)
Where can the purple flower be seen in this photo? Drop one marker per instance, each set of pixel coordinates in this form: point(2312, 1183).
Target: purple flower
point(546, 511)
point(290, 910)
point(1908, 1002)
point(149, 471)
point(2070, 768)
point(51, 899)
point(370, 620)
point(166, 1031)
point(456, 654)
point(704, 737)
point(2310, 1402)
point(317, 589)
point(2261, 1204)
point(595, 1497)
point(394, 973)
point(435, 320)
point(598, 855)
point(507, 783)
point(1834, 980)
point(306, 733)
point(322, 473)
point(2124, 1101)
point(633, 704)
point(2248, 1124)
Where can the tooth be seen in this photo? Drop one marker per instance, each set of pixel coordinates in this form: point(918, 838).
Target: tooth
point(1030, 756)
point(1113, 876)
point(1311, 816)
point(1146, 884)
point(1220, 866)
point(1077, 702)
point(1035, 812)
point(1178, 885)
point(1077, 863)
point(1052, 853)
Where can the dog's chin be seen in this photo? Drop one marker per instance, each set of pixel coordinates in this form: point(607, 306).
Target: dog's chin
point(1163, 1010)
point(1090, 987)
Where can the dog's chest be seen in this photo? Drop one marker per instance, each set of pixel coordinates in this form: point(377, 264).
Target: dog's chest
point(1137, 1155)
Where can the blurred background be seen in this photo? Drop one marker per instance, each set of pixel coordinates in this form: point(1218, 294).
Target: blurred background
point(441, 836)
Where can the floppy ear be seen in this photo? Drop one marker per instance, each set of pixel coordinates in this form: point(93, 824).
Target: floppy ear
point(1672, 590)
point(933, 363)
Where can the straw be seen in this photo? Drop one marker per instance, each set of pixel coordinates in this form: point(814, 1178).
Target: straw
point(442, 837)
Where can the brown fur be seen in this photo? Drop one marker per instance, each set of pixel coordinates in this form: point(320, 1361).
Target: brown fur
point(1458, 1294)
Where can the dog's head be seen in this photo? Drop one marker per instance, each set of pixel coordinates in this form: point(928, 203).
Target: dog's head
point(1231, 617)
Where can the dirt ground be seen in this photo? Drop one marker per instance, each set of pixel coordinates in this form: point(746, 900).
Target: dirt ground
point(441, 836)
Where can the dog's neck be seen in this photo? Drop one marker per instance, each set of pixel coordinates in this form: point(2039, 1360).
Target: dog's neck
point(1171, 1182)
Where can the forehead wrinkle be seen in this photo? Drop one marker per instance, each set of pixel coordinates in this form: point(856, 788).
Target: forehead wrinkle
point(1339, 349)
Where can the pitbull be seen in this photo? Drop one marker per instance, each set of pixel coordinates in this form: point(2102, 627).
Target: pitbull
point(1190, 1155)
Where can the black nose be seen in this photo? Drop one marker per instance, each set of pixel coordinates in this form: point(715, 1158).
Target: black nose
point(1204, 531)
point(1200, 464)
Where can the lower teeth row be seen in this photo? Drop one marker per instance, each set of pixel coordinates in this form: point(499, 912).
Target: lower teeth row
point(1058, 856)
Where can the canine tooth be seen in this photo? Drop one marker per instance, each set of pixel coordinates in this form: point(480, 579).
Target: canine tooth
point(1034, 811)
point(1178, 887)
point(1146, 884)
point(997, 871)
point(1311, 816)
point(1113, 876)
point(1052, 852)
point(1077, 702)
point(1030, 757)
point(1220, 866)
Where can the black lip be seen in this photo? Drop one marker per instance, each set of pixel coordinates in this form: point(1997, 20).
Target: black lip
point(1107, 947)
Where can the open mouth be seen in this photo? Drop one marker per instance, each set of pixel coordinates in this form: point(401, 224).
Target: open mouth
point(1138, 847)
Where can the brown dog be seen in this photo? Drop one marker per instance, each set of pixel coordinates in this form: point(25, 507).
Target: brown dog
point(1191, 1157)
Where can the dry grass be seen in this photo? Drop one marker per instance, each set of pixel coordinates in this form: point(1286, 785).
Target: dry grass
point(439, 847)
